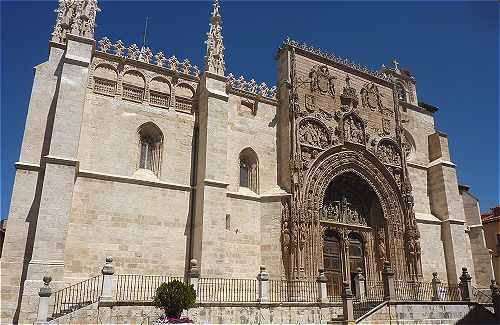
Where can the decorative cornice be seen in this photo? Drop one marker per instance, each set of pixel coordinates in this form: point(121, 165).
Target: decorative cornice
point(334, 58)
point(145, 55)
point(251, 87)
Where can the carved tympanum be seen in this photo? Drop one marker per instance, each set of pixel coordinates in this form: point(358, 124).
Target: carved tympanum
point(313, 134)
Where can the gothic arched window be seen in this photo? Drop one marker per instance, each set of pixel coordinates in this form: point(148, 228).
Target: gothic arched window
point(401, 92)
point(150, 146)
point(249, 170)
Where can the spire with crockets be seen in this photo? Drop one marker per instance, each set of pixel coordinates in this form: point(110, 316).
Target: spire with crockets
point(76, 17)
point(214, 58)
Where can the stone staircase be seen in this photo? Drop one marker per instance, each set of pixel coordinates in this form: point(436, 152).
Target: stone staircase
point(69, 308)
point(361, 308)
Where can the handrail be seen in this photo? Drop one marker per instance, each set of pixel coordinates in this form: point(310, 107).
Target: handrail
point(481, 297)
point(77, 296)
point(140, 288)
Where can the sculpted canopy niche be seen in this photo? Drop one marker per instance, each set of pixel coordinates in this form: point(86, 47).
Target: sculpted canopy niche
point(351, 204)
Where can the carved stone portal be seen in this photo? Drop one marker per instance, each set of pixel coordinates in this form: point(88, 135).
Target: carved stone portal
point(347, 207)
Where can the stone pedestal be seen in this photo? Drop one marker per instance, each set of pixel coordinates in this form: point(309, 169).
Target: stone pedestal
point(43, 304)
point(388, 278)
point(322, 292)
point(263, 282)
point(359, 285)
point(107, 280)
point(465, 285)
point(347, 305)
point(435, 287)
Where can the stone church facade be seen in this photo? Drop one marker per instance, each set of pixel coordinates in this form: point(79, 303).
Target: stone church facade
point(155, 162)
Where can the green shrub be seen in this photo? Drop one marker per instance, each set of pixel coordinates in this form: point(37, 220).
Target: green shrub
point(174, 297)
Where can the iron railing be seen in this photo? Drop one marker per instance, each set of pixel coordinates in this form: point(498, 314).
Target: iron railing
point(77, 296)
point(413, 290)
point(288, 291)
point(481, 296)
point(227, 290)
point(141, 288)
point(334, 291)
point(448, 292)
point(374, 295)
point(374, 290)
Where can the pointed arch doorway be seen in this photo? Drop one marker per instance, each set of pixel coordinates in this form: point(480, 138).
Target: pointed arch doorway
point(353, 231)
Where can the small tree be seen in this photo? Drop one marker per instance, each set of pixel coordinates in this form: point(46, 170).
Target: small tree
point(174, 297)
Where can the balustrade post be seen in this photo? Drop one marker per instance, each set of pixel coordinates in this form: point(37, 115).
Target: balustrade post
point(359, 284)
point(43, 303)
point(495, 299)
point(347, 305)
point(322, 293)
point(465, 285)
point(388, 277)
point(194, 276)
point(435, 287)
point(263, 283)
point(107, 280)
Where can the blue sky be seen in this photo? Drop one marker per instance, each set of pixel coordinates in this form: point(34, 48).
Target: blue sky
point(451, 47)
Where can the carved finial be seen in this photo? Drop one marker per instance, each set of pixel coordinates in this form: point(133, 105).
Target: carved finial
point(396, 64)
point(214, 58)
point(75, 17)
point(46, 280)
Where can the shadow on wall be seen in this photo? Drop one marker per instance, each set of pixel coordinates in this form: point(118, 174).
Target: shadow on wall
point(478, 315)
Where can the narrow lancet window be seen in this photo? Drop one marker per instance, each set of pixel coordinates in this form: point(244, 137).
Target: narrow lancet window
point(249, 170)
point(150, 146)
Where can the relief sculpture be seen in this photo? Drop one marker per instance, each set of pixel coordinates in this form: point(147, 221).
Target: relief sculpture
point(371, 98)
point(313, 134)
point(388, 154)
point(322, 81)
point(354, 129)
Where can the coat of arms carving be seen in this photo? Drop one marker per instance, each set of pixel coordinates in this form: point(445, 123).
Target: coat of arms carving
point(322, 81)
point(386, 126)
point(310, 103)
point(371, 97)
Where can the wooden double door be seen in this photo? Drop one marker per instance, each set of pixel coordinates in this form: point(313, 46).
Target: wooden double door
point(343, 254)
